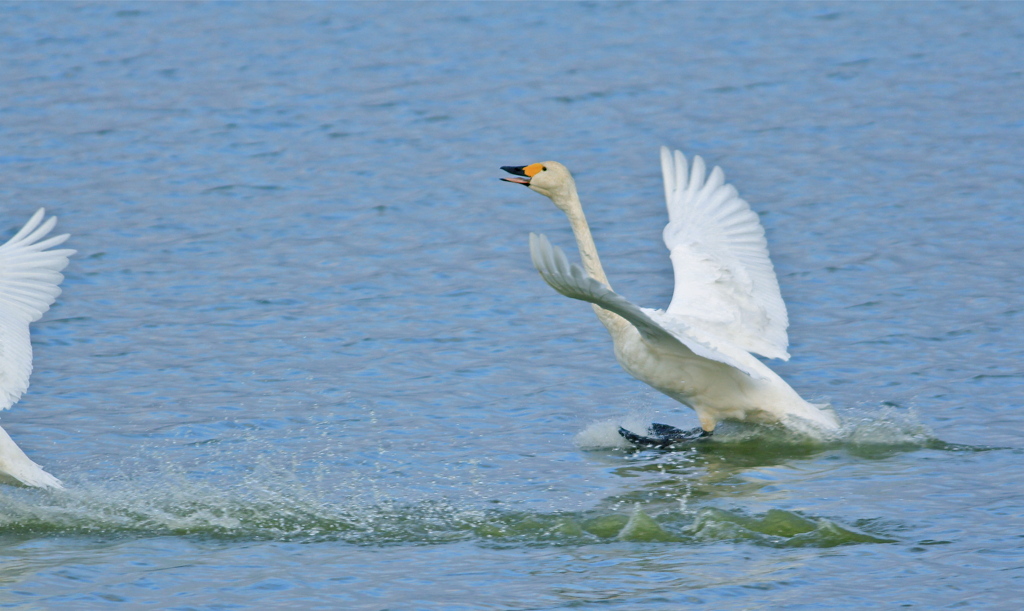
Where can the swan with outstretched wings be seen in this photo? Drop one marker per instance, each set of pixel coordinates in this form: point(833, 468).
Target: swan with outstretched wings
point(29, 283)
point(725, 308)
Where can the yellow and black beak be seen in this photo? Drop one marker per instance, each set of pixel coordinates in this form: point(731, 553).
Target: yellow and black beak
point(518, 171)
point(527, 170)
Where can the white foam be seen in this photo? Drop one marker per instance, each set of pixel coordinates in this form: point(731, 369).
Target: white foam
point(860, 426)
point(886, 426)
point(604, 434)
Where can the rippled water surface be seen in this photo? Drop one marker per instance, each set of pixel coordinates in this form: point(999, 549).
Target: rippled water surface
point(302, 359)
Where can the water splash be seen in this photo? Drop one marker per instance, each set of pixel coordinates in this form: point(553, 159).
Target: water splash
point(864, 429)
point(777, 528)
point(288, 512)
point(282, 498)
point(604, 434)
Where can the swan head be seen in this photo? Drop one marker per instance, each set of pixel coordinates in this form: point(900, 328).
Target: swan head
point(548, 178)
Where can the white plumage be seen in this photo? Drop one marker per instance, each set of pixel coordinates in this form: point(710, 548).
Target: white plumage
point(654, 326)
point(29, 283)
point(726, 304)
point(724, 279)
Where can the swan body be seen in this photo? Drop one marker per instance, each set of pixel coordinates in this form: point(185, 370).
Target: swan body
point(29, 279)
point(726, 304)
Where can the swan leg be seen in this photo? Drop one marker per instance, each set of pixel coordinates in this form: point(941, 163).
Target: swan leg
point(663, 436)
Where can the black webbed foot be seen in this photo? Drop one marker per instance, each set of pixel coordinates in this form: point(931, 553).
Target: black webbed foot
point(663, 436)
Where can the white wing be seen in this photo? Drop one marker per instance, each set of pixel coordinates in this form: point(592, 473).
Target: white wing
point(725, 284)
point(572, 281)
point(29, 275)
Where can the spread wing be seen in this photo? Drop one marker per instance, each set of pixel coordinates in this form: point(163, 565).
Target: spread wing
point(572, 281)
point(29, 279)
point(725, 284)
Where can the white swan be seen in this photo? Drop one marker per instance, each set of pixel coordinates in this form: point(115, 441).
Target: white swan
point(726, 303)
point(29, 275)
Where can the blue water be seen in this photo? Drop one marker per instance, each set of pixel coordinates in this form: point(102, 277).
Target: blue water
point(302, 359)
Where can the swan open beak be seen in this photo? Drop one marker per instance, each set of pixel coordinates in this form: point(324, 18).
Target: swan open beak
point(518, 171)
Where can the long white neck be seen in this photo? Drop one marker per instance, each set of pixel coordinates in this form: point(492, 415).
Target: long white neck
point(569, 202)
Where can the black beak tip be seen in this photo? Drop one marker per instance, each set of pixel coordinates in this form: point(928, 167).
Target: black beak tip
point(517, 170)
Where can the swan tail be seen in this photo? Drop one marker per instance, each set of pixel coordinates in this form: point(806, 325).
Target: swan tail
point(816, 419)
point(15, 465)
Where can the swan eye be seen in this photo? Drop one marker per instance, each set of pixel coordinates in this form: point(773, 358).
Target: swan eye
point(543, 168)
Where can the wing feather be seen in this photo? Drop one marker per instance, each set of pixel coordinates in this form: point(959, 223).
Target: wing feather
point(572, 281)
point(725, 284)
point(29, 279)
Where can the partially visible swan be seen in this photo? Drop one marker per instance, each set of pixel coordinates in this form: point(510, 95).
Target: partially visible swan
point(29, 279)
point(725, 306)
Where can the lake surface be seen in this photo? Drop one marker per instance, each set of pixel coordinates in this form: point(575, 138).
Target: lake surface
point(303, 360)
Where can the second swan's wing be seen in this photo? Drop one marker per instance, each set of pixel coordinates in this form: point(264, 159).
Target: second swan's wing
point(29, 279)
